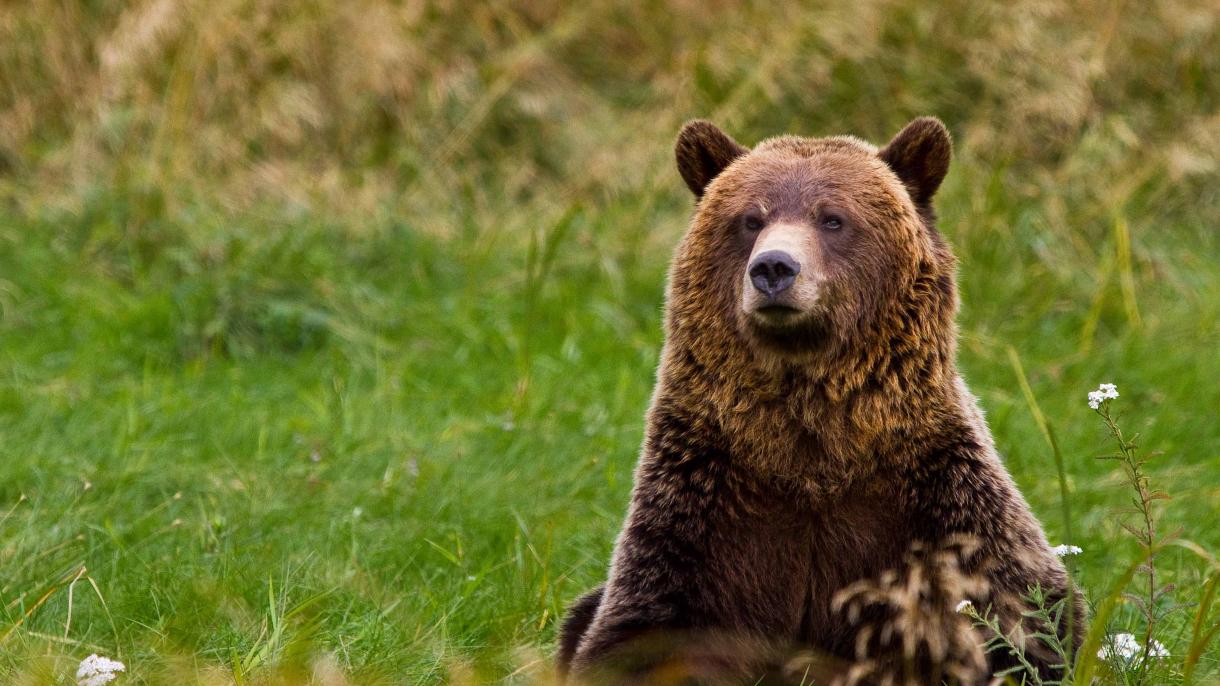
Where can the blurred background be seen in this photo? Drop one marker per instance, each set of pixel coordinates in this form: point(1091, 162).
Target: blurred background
point(328, 328)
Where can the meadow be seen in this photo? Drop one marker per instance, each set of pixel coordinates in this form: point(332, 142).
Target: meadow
point(327, 330)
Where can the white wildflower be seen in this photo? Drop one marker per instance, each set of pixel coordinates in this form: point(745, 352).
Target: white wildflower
point(1157, 649)
point(1119, 647)
point(1065, 550)
point(1104, 392)
point(1124, 648)
point(964, 607)
point(98, 671)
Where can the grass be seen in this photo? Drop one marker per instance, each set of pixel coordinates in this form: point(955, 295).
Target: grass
point(352, 360)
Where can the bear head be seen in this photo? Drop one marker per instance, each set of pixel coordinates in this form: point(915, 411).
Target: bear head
point(814, 248)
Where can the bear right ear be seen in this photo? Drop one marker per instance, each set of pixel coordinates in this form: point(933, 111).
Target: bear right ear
point(919, 155)
point(703, 151)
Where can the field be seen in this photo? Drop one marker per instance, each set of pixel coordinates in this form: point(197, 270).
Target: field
point(326, 331)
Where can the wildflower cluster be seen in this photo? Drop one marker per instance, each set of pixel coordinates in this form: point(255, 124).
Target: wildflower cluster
point(1104, 392)
point(1124, 648)
point(96, 670)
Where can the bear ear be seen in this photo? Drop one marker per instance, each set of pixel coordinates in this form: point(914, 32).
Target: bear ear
point(919, 155)
point(703, 151)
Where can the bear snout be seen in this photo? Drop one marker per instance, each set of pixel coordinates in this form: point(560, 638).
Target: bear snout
point(779, 284)
point(773, 272)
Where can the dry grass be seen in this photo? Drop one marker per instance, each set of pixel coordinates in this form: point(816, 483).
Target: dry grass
point(347, 109)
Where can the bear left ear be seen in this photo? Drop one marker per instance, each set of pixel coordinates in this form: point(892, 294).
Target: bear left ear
point(919, 155)
point(702, 152)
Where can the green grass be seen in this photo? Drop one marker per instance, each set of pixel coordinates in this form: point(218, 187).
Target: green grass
point(487, 459)
point(371, 382)
point(430, 442)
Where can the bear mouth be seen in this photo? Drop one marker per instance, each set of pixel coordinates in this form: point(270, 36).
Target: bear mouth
point(783, 328)
point(776, 315)
point(777, 311)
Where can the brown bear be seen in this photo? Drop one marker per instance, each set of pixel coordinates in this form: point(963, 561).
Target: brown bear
point(817, 492)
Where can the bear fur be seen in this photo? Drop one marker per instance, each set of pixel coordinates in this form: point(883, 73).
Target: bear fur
point(815, 497)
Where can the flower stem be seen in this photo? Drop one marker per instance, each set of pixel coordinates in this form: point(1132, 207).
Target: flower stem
point(1146, 536)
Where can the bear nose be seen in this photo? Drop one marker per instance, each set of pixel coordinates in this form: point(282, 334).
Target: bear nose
point(772, 272)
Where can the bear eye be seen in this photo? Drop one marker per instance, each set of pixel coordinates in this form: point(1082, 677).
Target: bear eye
point(754, 223)
point(832, 222)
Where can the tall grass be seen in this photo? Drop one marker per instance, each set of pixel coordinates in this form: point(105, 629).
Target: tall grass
point(326, 329)
point(1107, 654)
point(348, 108)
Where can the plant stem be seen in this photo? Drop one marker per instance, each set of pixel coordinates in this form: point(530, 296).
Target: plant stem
point(1133, 467)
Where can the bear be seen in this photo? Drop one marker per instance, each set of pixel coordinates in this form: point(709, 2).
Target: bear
point(818, 494)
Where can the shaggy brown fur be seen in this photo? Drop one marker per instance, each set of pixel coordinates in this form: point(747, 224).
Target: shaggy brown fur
point(792, 477)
